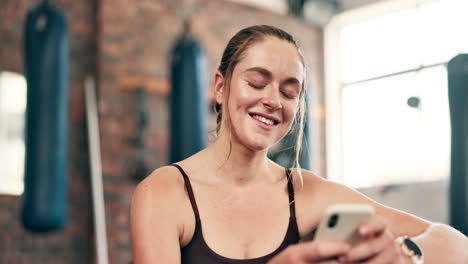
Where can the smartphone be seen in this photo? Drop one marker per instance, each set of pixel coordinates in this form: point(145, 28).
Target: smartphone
point(341, 222)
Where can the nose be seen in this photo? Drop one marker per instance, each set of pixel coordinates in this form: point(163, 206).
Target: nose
point(272, 100)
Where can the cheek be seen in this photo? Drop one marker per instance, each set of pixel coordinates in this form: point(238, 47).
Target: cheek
point(290, 111)
point(236, 105)
point(241, 98)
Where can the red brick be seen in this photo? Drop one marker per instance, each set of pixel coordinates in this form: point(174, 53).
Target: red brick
point(125, 45)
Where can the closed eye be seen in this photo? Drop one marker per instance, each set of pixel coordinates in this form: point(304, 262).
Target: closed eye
point(290, 89)
point(256, 86)
point(288, 95)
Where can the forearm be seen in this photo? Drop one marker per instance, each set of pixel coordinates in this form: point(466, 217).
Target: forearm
point(443, 244)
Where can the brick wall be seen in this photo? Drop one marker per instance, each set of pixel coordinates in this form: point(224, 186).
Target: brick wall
point(74, 244)
point(134, 43)
point(126, 45)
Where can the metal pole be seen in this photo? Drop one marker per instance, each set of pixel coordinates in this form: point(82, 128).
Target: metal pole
point(96, 172)
point(395, 74)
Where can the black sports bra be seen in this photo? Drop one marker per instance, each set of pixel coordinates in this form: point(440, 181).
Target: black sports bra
point(198, 252)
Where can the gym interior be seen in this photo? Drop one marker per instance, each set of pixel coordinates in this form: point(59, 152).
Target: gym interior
point(91, 102)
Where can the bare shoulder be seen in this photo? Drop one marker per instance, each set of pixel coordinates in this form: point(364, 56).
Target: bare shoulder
point(305, 182)
point(308, 201)
point(157, 216)
point(161, 182)
point(161, 193)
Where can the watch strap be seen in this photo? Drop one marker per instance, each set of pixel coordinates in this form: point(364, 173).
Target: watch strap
point(410, 249)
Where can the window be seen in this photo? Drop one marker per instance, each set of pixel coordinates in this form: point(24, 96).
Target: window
point(386, 88)
point(12, 109)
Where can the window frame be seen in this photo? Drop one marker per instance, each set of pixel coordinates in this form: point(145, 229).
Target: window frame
point(333, 79)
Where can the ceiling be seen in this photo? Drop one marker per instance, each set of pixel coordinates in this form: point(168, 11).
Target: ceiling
point(316, 12)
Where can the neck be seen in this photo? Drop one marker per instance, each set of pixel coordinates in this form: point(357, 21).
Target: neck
point(237, 164)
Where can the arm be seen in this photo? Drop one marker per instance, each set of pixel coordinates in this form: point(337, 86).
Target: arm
point(443, 244)
point(155, 224)
point(440, 243)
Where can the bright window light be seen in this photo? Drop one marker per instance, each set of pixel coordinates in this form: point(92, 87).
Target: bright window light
point(379, 46)
point(389, 120)
point(386, 141)
point(12, 110)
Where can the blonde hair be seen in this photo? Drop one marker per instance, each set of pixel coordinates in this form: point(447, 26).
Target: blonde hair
point(232, 55)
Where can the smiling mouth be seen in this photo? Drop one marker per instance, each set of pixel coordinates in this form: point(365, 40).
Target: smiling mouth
point(264, 120)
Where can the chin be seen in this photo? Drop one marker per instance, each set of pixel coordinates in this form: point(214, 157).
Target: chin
point(255, 142)
point(259, 145)
point(259, 148)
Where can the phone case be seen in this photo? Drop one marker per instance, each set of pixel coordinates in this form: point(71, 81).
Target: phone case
point(341, 221)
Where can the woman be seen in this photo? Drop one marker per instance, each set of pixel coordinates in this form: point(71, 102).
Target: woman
point(230, 204)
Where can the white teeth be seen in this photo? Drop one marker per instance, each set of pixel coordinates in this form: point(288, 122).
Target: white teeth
point(263, 119)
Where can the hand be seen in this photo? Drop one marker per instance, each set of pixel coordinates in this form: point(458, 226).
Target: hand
point(326, 252)
point(378, 245)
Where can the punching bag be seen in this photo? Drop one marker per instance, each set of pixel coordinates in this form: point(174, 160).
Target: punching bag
point(458, 99)
point(44, 201)
point(285, 153)
point(189, 108)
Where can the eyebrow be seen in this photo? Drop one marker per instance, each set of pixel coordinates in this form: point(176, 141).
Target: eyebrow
point(268, 75)
point(264, 72)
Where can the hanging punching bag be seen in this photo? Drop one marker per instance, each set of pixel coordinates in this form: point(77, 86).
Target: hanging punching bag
point(457, 70)
point(46, 135)
point(189, 108)
point(285, 153)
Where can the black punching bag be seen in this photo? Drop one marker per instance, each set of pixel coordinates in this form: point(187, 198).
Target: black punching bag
point(46, 67)
point(189, 108)
point(458, 99)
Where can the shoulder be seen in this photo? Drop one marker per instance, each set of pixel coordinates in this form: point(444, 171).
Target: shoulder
point(158, 217)
point(306, 181)
point(159, 213)
point(162, 193)
point(162, 182)
point(309, 200)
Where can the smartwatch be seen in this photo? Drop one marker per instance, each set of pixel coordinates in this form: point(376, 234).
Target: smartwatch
point(410, 249)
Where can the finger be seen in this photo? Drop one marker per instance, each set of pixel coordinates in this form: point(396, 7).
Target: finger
point(328, 262)
point(373, 227)
point(370, 248)
point(311, 252)
point(321, 251)
point(387, 256)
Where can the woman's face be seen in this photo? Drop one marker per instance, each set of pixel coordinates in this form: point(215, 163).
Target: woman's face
point(264, 93)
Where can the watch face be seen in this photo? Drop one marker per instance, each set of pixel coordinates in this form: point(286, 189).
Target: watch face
point(413, 247)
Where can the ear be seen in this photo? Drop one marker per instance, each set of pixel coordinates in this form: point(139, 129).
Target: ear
point(219, 87)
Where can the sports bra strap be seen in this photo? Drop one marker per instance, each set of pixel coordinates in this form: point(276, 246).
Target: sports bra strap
point(292, 201)
point(188, 186)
